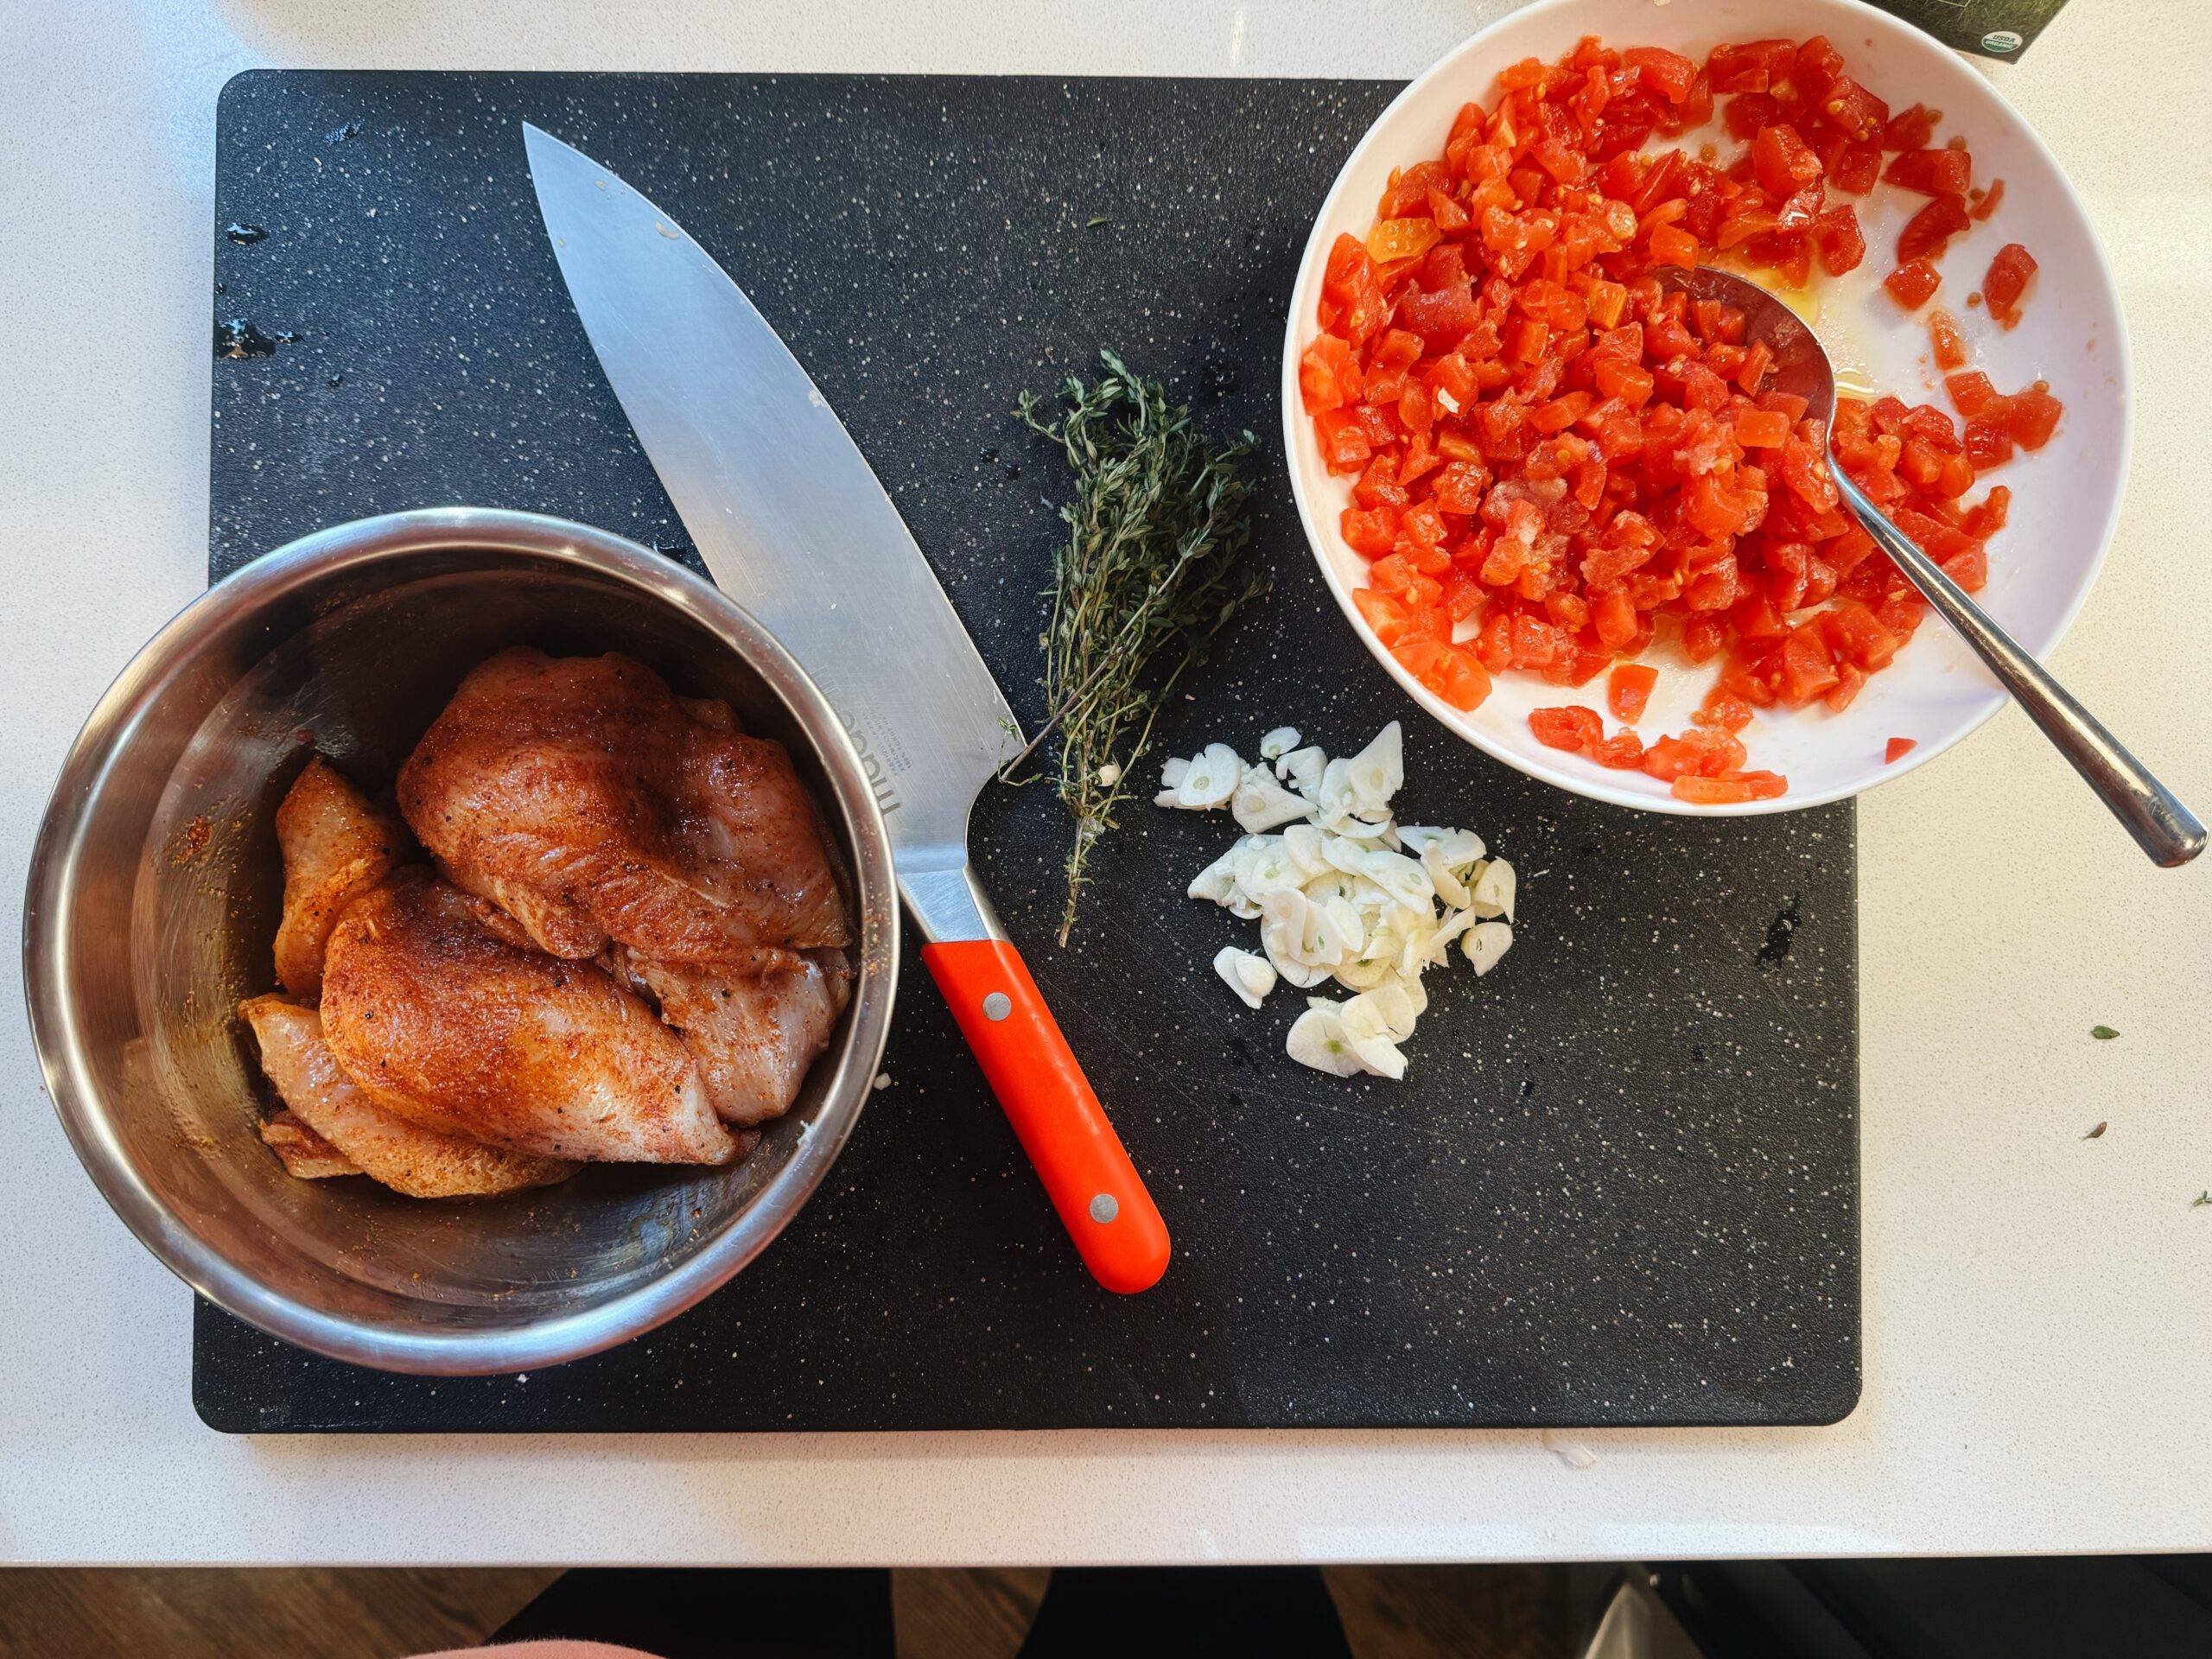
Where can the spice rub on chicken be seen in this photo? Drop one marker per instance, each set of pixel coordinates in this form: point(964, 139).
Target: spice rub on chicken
point(591, 804)
point(627, 943)
point(444, 1015)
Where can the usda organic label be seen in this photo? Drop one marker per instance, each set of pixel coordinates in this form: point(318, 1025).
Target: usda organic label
point(2001, 39)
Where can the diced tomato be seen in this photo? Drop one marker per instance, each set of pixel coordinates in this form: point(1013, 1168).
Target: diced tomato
point(1345, 447)
point(1670, 759)
point(1842, 245)
point(1750, 67)
point(1372, 531)
point(1762, 428)
point(1948, 348)
point(1553, 454)
point(1573, 728)
point(1628, 688)
point(1854, 168)
point(1723, 709)
point(1730, 790)
point(1668, 73)
point(1971, 392)
point(2008, 279)
point(1911, 129)
point(1853, 111)
point(1453, 674)
point(1913, 284)
point(1672, 246)
point(1931, 172)
point(1896, 748)
point(2032, 415)
point(1328, 374)
point(1928, 230)
point(1783, 164)
point(1623, 751)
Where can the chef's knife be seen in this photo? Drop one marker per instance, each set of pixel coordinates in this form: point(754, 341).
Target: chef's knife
point(794, 524)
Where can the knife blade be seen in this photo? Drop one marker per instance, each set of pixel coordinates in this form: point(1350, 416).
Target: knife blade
point(794, 524)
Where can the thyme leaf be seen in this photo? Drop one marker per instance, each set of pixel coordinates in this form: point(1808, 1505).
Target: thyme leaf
point(1153, 569)
point(2103, 1034)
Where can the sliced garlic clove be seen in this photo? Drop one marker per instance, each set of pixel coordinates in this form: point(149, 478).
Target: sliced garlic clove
point(1365, 831)
point(1290, 932)
point(1301, 844)
point(1249, 976)
point(1334, 797)
point(1216, 883)
point(1455, 923)
point(1450, 856)
point(1493, 889)
point(1393, 1004)
point(1367, 1028)
point(1415, 953)
point(1416, 998)
point(1303, 976)
point(1262, 804)
point(1375, 773)
point(1212, 780)
point(1263, 866)
point(1173, 771)
point(1302, 770)
point(1441, 876)
point(1279, 742)
point(1485, 943)
point(1256, 974)
point(1405, 881)
point(1377, 961)
point(1346, 927)
point(1460, 848)
point(1317, 1039)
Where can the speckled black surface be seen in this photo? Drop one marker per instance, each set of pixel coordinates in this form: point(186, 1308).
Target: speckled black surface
point(1621, 1185)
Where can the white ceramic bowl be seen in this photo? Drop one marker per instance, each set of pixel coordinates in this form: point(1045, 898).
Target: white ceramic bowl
point(2065, 497)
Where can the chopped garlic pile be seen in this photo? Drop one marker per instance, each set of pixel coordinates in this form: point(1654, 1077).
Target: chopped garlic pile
point(1341, 891)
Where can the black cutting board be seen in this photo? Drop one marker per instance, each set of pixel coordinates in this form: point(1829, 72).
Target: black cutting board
point(1621, 1183)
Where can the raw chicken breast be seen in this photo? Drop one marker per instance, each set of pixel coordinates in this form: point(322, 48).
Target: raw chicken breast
point(368, 1140)
point(591, 804)
point(441, 1018)
point(753, 1033)
point(336, 846)
point(305, 1154)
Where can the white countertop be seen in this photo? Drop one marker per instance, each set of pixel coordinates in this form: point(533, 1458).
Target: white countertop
point(2038, 1307)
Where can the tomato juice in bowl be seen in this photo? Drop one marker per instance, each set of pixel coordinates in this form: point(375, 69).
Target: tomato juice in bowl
point(1929, 692)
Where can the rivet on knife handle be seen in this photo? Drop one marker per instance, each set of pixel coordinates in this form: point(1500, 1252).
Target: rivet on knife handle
point(1100, 1197)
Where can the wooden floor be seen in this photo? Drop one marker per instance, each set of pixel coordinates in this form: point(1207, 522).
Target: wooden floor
point(330, 1613)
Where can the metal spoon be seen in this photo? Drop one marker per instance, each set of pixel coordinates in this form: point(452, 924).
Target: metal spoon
point(2164, 829)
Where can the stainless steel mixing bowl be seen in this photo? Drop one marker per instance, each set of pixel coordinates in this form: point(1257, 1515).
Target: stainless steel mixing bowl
point(153, 897)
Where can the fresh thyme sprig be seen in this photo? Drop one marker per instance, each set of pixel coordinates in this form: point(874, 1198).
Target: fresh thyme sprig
point(1153, 569)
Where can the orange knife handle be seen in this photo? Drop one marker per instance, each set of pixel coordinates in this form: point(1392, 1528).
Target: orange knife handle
point(1054, 1110)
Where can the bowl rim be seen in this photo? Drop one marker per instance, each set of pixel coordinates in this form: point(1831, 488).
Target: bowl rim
point(1296, 333)
point(54, 878)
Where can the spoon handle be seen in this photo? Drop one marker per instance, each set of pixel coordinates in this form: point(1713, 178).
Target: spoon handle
point(2162, 826)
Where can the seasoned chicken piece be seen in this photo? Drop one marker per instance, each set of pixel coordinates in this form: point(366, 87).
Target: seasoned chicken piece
point(335, 846)
point(441, 1017)
point(585, 799)
point(753, 1032)
point(368, 1140)
point(305, 1154)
